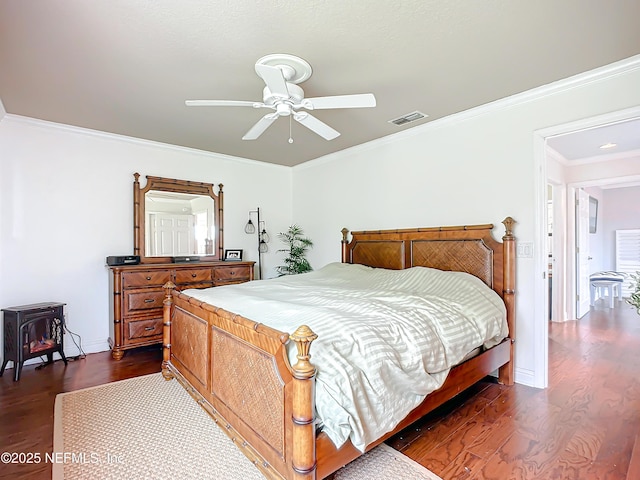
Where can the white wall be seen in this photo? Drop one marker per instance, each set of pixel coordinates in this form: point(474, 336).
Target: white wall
point(66, 202)
point(595, 172)
point(621, 211)
point(476, 167)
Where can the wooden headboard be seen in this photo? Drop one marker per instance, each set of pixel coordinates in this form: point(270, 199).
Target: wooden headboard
point(467, 248)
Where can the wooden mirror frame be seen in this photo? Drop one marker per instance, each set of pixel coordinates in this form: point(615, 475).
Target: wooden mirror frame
point(179, 186)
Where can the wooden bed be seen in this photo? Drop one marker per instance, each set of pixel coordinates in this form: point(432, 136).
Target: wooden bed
point(238, 370)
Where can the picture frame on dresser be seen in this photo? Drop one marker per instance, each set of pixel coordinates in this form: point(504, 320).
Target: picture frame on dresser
point(233, 255)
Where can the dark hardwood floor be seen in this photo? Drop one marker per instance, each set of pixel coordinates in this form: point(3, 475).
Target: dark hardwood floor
point(584, 426)
point(26, 406)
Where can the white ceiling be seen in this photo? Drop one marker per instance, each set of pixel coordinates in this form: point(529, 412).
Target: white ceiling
point(127, 66)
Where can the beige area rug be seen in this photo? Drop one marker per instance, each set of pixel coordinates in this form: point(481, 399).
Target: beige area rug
point(150, 428)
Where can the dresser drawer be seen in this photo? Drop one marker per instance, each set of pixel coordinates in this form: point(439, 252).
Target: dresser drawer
point(146, 278)
point(141, 330)
point(193, 275)
point(143, 300)
point(138, 296)
point(231, 274)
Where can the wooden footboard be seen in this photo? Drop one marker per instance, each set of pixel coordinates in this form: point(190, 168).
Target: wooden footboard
point(239, 371)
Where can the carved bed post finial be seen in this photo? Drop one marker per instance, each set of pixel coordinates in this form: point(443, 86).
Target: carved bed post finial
point(303, 336)
point(508, 225)
point(166, 330)
point(303, 458)
point(345, 243)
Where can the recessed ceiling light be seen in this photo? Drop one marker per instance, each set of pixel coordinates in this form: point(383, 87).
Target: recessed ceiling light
point(608, 145)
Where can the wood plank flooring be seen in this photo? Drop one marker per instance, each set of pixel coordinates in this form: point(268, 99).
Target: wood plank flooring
point(584, 426)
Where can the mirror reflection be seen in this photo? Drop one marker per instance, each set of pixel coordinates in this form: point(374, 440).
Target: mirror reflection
point(178, 224)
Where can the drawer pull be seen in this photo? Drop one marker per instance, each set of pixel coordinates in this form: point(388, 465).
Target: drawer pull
point(232, 272)
point(193, 275)
point(148, 328)
point(149, 300)
point(148, 278)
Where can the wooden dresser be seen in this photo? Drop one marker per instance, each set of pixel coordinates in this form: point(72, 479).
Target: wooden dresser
point(136, 308)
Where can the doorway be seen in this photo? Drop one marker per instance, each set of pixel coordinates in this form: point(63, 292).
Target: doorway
point(559, 302)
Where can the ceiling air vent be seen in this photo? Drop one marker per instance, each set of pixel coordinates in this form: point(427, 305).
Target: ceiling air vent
point(408, 118)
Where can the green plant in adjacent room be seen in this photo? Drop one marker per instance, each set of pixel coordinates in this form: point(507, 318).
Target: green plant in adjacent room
point(634, 299)
point(298, 245)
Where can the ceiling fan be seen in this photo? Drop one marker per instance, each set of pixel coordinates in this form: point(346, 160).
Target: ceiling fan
point(282, 73)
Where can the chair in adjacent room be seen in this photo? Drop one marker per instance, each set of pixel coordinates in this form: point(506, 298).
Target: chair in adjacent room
point(610, 282)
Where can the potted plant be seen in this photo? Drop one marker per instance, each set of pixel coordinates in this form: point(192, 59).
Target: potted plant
point(295, 262)
point(634, 299)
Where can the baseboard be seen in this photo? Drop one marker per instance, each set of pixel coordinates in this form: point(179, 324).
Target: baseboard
point(95, 346)
point(525, 377)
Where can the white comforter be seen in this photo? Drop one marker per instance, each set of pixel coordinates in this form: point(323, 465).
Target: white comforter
point(386, 338)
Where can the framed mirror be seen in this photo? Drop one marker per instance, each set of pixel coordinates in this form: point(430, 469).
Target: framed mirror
point(176, 218)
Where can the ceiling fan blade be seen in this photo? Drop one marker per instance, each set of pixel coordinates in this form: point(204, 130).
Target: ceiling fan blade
point(315, 125)
point(362, 100)
point(222, 103)
point(274, 78)
point(259, 128)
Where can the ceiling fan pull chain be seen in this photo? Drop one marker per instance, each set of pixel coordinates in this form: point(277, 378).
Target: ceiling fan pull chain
point(290, 135)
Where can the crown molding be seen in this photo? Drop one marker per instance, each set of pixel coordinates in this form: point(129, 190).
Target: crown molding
point(576, 81)
point(47, 125)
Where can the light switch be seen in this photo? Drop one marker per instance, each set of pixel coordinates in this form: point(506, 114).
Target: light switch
point(524, 250)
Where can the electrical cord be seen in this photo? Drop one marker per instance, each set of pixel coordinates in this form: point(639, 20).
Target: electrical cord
point(78, 344)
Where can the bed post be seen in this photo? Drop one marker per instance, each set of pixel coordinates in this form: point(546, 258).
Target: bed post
point(166, 330)
point(507, 372)
point(219, 237)
point(303, 458)
point(345, 244)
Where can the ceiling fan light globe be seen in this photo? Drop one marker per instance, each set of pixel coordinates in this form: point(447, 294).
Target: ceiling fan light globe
point(283, 109)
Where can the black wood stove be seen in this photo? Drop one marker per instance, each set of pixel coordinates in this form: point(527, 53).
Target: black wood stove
point(32, 331)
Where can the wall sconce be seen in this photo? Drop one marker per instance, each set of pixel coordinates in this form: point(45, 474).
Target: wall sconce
point(263, 237)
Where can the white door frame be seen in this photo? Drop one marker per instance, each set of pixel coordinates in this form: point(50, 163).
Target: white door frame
point(541, 290)
point(581, 252)
point(559, 250)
